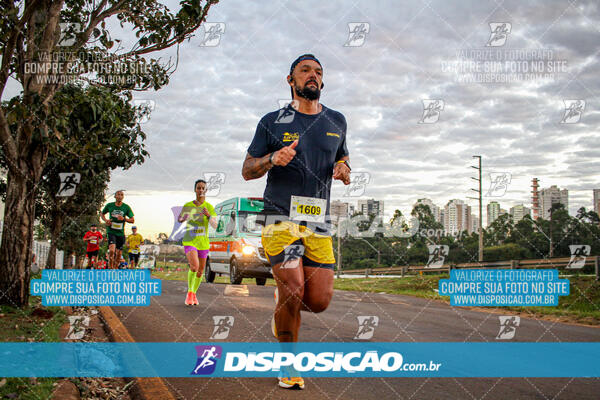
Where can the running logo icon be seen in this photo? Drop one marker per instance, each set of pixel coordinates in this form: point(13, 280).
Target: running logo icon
point(68, 183)
point(499, 34)
point(366, 326)
point(286, 112)
point(579, 253)
point(499, 182)
point(223, 324)
point(573, 111)
point(292, 253)
point(358, 184)
point(207, 359)
point(77, 327)
point(437, 255)
point(214, 180)
point(508, 327)
point(358, 34)
point(68, 33)
point(144, 107)
point(212, 34)
point(431, 111)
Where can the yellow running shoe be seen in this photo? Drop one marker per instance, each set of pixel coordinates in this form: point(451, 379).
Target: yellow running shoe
point(291, 383)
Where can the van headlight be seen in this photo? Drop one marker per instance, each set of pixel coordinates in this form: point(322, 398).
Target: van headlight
point(248, 250)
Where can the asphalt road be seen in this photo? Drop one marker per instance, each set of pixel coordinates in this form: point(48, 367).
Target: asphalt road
point(401, 319)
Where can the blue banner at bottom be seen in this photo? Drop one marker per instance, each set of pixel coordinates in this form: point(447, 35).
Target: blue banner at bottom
point(226, 359)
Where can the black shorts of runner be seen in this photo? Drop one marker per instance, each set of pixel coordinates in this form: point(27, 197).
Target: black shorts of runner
point(91, 254)
point(134, 258)
point(118, 241)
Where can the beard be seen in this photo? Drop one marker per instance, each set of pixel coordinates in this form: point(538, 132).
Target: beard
point(308, 92)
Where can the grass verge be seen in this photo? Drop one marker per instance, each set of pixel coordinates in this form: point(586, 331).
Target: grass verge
point(34, 323)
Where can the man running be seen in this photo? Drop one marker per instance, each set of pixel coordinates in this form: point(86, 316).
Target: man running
point(119, 213)
point(133, 247)
point(197, 214)
point(302, 147)
point(93, 237)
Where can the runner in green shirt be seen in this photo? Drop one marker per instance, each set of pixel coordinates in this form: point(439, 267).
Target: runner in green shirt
point(119, 213)
point(198, 214)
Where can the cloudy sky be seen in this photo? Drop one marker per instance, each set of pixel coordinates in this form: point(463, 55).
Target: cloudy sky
point(205, 118)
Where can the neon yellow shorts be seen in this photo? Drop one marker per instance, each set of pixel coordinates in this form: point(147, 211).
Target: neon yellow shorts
point(286, 240)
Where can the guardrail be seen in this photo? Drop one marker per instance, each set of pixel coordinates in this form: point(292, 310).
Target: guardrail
point(555, 263)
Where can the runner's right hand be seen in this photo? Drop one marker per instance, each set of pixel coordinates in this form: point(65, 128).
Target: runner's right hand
point(283, 156)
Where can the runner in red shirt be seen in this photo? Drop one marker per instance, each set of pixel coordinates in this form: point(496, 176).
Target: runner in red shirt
point(93, 238)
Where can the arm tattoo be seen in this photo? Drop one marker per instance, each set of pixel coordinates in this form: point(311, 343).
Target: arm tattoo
point(256, 167)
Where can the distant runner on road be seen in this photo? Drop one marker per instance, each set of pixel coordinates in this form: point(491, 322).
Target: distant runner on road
point(119, 213)
point(197, 214)
point(93, 237)
point(133, 247)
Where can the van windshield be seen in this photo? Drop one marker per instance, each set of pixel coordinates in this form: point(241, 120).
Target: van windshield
point(250, 222)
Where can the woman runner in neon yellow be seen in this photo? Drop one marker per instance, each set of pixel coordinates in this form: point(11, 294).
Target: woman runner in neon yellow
point(198, 214)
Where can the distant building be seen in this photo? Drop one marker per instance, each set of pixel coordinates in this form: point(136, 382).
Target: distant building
point(474, 224)
point(457, 216)
point(370, 206)
point(435, 210)
point(518, 212)
point(351, 209)
point(550, 196)
point(597, 201)
point(493, 212)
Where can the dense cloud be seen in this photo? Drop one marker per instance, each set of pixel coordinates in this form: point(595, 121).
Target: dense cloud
point(206, 117)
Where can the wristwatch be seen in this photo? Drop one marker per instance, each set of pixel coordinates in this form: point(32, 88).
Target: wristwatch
point(345, 162)
point(271, 159)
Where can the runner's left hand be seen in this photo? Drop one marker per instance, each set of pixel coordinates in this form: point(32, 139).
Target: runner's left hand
point(205, 212)
point(342, 172)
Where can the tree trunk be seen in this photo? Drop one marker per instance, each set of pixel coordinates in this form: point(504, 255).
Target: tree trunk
point(55, 229)
point(17, 233)
point(17, 237)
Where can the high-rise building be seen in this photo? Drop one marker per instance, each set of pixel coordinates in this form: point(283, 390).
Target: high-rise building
point(457, 216)
point(550, 196)
point(435, 210)
point(370, 206)
point(518, 212)
point(597, 201)
point(474, 224)
point(493, 212)
point(535, 199)
point(351, 209)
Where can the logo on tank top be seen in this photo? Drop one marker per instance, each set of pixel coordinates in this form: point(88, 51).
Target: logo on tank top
point(290, 137)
